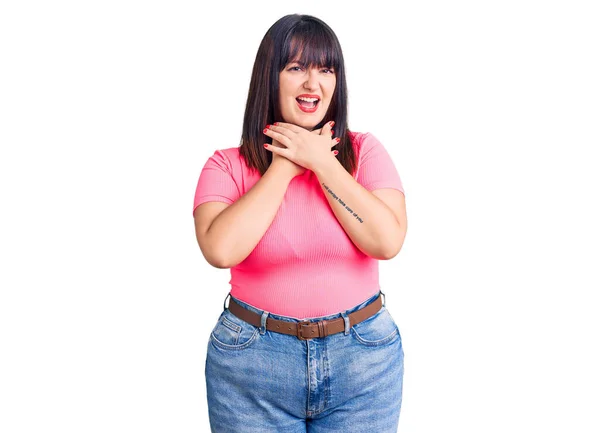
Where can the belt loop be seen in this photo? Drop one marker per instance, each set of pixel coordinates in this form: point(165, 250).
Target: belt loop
point(225, 300)
point(263, 322)
point(346, 323)
point(383, 298)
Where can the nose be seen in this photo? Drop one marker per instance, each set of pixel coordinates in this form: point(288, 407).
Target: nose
point(312, 79)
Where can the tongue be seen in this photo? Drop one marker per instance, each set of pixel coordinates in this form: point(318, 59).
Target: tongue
point(306, 103)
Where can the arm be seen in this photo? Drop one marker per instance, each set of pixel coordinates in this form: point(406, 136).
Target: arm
point(369, 222)
point(238, 228)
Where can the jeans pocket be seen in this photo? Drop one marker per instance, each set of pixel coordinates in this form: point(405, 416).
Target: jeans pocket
point(233, 333)
point(377, 330)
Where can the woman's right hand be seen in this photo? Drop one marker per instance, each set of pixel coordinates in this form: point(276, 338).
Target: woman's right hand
point(291, 167)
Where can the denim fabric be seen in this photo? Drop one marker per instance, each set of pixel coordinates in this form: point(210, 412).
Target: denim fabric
point(259, 381)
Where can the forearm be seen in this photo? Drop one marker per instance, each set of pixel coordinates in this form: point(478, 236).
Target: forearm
point(238, 229)
point(369, 222)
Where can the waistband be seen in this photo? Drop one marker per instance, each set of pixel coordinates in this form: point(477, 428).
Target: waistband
point(256, 310)
point(314, 327)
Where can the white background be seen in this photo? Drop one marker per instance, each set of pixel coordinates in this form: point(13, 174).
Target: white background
point(108, 111)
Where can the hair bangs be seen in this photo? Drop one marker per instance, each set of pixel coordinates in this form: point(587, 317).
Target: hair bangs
point(311, 45)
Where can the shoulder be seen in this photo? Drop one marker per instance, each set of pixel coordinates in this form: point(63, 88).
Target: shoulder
point(228, 153)
point(356, 137)
point(363, 142)
point(362, 138)
point(226, 158)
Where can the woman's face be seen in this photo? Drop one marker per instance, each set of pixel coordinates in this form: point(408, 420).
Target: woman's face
point(296, 81)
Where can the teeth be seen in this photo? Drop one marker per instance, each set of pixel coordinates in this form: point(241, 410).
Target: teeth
point(307, 99)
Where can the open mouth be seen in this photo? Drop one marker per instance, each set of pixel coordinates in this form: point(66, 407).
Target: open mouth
point(308, 105)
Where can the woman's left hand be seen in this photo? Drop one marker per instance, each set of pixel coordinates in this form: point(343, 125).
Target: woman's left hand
point(305, 148)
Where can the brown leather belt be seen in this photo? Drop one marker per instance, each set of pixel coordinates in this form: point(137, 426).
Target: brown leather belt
point(306, 330)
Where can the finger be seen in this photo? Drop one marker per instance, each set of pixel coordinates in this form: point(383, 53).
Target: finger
point(277, 143)
point(278, 150)
point(326, 130)
point(282, 130)
point(278, 136)
point(335, 141)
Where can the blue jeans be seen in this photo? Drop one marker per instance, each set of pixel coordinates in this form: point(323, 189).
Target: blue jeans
point(259, 381)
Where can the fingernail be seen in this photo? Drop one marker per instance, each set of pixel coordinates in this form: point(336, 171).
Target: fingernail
point(265, 131)
point(266, 145)
point(276, 123)
point(337, 139)
point(331, 123)
point(335, 152)
point(267, 127)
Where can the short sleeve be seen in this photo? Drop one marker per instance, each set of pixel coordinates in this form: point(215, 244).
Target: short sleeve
point(216, 182)
point(375, 167)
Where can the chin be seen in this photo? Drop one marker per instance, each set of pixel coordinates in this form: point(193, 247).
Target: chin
point(309, 124)
point(301, 124)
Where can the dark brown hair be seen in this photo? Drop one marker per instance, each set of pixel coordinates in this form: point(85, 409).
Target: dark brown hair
point(312, 42)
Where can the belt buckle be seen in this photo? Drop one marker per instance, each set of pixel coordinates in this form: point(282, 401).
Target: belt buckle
point(299, 330)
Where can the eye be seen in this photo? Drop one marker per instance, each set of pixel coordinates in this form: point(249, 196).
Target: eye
point(293, 68)
point(329, 70)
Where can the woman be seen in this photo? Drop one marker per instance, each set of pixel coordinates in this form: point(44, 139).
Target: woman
point(306, 343)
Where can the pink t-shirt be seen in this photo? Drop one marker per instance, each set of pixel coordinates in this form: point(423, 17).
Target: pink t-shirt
point(305, 265)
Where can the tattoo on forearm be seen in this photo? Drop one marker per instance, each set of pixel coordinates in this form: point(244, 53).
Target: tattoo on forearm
point(354, 214)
